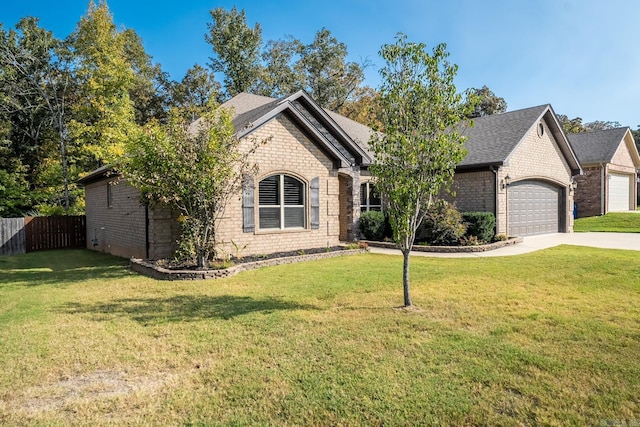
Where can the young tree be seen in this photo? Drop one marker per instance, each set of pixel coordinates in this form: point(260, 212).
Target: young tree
point(236, 48)
point(421, 145)
point(195, 171)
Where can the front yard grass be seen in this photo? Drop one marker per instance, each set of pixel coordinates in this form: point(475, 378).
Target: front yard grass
point(548, 338)
point(618, 222)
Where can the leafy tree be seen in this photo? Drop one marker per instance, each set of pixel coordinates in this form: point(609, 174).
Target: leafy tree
point(601, 125)
point(236, 48)
point(571, 125)
point(328, 77)
point(195, 171)
point(150, 91)
point(196, 91)
point(363, 107)
point(105, 117)
point(36, 86)
point(14, 188)
point(278, 77)
point(421, 146)
point(485, 102)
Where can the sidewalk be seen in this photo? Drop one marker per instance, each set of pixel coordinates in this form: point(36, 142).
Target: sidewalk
point(629, 241)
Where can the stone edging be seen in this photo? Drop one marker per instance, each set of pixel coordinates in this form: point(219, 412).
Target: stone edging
point(151, 270)
point(450, 249)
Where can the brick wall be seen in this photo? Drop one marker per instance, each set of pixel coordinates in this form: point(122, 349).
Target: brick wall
point(588, 196)
point(474, 191)
point(118, 229)
point(288, 151)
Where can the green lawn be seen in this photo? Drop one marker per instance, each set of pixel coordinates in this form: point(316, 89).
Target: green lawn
point(619, 222)
point(548, 338)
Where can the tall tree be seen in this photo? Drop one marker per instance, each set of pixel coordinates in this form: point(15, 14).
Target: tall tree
point(571, 125)
point(328, 77)
point(236, 47)
point(36, 82)
point(278, 77)
point(421, 146)
point(105, 117)
point(486, 102)
point(363, 107)
point(150, 91)
point(194, 93)
point(601, 125)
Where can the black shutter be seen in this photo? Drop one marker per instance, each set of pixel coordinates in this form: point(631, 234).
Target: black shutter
point(315, 203)
point(248, 215)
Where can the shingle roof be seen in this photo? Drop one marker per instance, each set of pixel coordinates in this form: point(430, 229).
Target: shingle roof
point(357, 131)
point(597, 146)
point(491, 139)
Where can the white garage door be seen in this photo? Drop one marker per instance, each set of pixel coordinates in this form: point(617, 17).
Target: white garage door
point(619, 192)
point(534, 208)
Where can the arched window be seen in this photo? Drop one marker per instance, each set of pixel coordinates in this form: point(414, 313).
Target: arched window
point(369, 198)
point(282, 202)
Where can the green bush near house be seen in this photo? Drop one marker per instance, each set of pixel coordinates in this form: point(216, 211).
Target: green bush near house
point(373, 225)
point(480, 224)
point(443, 225)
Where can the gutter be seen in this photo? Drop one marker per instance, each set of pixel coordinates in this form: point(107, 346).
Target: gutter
point(602, 187)
point(495, 171)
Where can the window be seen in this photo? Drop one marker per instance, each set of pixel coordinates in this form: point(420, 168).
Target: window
point(281, 202)
point(369, 199)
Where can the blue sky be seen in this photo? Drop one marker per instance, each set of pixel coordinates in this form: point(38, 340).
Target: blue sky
point(581, 56)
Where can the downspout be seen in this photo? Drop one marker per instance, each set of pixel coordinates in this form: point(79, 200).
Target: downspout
point(495, 197)
point(602, 188)
point(146, 231)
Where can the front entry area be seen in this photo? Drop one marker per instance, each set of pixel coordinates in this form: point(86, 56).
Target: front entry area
point(534, 207)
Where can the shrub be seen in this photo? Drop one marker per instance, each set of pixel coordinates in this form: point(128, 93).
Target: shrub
point(442, 226)
point(373, 225)
point(480, 224)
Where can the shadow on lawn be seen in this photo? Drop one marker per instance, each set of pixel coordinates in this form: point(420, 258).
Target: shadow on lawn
point(183, 308)
point(60, 268)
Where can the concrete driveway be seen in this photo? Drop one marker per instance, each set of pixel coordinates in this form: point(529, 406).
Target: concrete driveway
point(630, 241)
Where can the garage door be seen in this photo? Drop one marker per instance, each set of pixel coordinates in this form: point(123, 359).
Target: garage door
point(619, 192)
point(534, 208)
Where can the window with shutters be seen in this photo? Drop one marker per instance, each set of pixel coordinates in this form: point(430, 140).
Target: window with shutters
point(369, 199)
point(281, 202)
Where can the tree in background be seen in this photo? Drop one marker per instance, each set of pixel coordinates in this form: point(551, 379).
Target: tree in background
point(195, 92)
point(278, 77)
point(328, 77)
point(104, 119)
point(601, 125)
point(364, 107)
point(486, 102)
point(421, 146)
point(196, 171)
point(236, 48)
point(36, 87)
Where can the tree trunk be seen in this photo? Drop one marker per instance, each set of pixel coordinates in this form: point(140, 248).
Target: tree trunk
point(405, 277)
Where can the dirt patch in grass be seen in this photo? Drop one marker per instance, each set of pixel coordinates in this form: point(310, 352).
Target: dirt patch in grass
point(88, 387)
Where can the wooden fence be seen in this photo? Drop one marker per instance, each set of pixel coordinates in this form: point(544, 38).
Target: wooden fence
point(30, 234)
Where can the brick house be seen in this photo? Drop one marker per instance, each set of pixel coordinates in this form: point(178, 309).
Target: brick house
point(313, 182)
point(610, 162)
point(520, 166)
point(305, 195)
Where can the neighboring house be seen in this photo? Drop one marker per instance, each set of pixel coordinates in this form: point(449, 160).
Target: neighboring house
point(305, 195)
point(520, 166)
point(610, 162)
